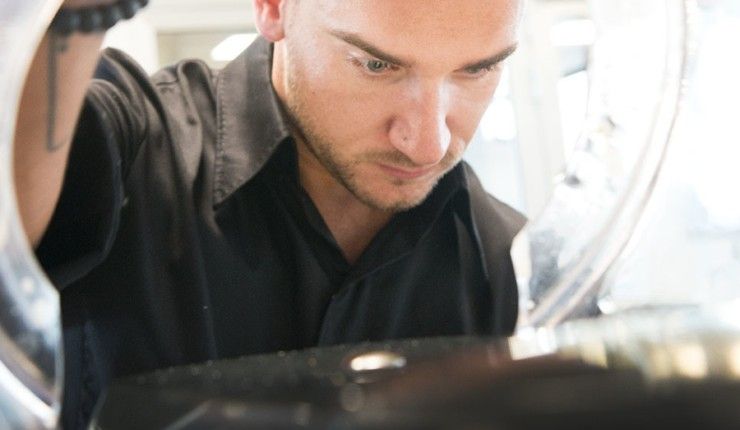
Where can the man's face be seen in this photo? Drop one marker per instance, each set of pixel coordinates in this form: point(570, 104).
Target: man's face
point(388, 93)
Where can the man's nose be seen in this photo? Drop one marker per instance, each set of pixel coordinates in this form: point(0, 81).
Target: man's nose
point(420, 130)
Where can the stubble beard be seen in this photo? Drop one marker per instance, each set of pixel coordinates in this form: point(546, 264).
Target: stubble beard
point(343, 171)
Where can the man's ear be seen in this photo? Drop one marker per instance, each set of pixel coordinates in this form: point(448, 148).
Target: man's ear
point(268, 16)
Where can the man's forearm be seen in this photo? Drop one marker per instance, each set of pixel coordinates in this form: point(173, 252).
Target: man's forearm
point(50, 105)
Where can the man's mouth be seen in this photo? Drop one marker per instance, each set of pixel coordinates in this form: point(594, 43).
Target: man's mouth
point(405, 173)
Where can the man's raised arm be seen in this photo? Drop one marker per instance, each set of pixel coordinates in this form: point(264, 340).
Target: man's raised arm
point(66, 65)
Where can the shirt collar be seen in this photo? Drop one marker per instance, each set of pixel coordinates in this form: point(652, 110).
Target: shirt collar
point(250, 120)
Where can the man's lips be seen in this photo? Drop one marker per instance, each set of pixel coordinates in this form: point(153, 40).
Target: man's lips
point(404, 173)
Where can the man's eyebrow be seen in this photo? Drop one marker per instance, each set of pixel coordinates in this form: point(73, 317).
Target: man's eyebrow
point(491, 61)
point(366, 46)
point(357, 41)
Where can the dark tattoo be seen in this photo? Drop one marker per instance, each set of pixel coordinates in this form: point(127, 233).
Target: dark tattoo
point(57, 44)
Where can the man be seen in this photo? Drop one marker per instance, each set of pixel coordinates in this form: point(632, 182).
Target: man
point(311, 193)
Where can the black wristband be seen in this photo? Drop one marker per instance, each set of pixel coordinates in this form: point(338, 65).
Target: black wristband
point(94, 19)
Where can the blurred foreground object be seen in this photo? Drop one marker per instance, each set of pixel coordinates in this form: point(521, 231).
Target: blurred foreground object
point(30, 332)
point(679, 372)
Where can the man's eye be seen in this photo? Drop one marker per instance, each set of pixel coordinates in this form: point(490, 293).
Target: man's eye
point(373, 66)
point(480, 71)
point(377, 66)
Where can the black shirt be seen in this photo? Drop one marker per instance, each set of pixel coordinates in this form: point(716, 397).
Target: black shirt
point(183, 235)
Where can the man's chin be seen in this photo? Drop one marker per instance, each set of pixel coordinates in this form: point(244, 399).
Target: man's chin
point(394, 201)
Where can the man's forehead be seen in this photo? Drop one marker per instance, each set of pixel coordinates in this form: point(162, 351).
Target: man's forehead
point(444, 14)
point(460, 30)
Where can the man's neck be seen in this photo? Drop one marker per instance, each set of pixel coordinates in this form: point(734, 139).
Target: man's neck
point(352, 223)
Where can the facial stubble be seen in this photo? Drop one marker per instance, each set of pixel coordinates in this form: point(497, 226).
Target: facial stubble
point(308, 133)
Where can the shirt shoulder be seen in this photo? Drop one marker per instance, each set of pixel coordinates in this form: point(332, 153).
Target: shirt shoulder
point(183, 91)
point(187, 75)
point(118, 65)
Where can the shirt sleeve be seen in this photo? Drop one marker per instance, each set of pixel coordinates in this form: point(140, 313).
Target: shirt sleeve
point(117, 112)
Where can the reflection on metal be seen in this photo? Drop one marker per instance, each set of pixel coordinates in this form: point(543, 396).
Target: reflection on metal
point(733, 360)
point(572, 260)
point(665, 345)
point(30, 335)
point(378, 360)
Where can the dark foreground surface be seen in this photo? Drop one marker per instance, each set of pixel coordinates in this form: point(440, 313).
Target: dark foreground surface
point(446, 383)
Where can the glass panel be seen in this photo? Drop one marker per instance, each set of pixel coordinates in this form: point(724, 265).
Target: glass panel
point(688, 249)
point(645, 217)
point(637, 69)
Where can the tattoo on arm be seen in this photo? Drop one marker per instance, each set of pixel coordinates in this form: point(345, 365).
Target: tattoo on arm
point(57, 44)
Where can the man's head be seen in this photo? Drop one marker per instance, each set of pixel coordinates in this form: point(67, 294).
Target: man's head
point(387, 94)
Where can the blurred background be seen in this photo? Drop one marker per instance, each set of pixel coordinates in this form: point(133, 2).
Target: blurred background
point(524, 138)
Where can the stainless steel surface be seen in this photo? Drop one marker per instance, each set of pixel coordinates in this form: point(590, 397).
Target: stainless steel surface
point(666, 345)
point(30, 335)
point(670, 372)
